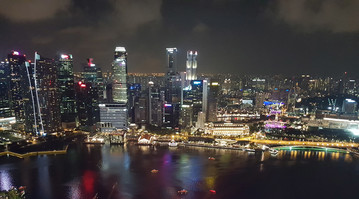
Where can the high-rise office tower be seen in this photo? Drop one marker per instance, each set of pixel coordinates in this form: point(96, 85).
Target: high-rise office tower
point(17, 79)
point(172, 90)
point(5, 110)
point(205, 96)
point(134, 93)
point(65, 75)
point(191, 65)
point(155, 105)
point(141, 110)
point(43, 98)
point(171, 60)
point(87, 101)
point(92, 73)
point(213, 92)
point(114, 115)
point(119, 77)
point(194, 101)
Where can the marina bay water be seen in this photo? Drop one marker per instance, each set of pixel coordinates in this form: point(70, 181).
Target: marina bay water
point(125, 172)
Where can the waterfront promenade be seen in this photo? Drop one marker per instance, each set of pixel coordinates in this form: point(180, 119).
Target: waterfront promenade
point(18, 155)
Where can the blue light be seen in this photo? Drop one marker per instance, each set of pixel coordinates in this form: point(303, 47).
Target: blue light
point(287, 90)
point(275, 89)
point(197, 82)
point(266, 103)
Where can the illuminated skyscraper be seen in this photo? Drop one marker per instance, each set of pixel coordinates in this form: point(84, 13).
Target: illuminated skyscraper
point(172, 90)
point(213, 92)
point(87, 104)
point(92, 73)
point(65, 75)
point(42, 102)
point(5, 110)
point(48, 94)
point(171, 60)
point(191, 65)
point(119, 85)
point(17, 79)
point(114, 116)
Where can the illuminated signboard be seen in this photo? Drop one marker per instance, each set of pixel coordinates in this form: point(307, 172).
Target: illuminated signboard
point(197, 82)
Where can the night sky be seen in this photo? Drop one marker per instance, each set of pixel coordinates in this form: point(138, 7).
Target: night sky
point(238, 36)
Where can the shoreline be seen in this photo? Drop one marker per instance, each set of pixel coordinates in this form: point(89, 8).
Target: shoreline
point(34, 153)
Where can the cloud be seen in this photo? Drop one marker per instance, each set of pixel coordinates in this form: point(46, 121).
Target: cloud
point(200, 27)
point(313, 15)
point(42, 40)
point(133, 14)
point(34, 10)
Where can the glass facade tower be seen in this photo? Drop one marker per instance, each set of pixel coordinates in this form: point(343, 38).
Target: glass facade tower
point(65, 73)
point(191, 65)
point(119, 85)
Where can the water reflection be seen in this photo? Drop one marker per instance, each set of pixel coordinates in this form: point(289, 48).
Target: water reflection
point(313, 155)
point(43, 174)
point(125, 172)
point(5, 180)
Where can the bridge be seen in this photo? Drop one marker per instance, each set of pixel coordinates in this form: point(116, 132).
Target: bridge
point(305, 143)
point(312, 148)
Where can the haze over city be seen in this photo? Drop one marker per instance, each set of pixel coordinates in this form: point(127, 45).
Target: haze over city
point(241, 36)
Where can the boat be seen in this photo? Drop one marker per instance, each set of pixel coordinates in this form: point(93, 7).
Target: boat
point(154, 171)
point(173, 144)
point(211, 158)
point(182, 192)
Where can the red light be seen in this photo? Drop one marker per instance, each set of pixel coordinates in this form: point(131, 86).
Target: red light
point(212, 191)
point(64, 56)
point(83, 85)
point(29, 61)
point(80, 82)
point(90, 62)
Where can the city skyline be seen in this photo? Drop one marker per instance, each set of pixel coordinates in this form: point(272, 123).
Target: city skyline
point(237, 36)
point(179, 98)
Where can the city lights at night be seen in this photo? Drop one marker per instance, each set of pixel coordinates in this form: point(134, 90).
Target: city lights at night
point(171, 99)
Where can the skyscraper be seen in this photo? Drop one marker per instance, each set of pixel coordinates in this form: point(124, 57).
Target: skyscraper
point(42, 105)
point(155, 105)
point(119, 85)
point(17, 79)
point(92, 73)
point(5, 110)
point(172, 90)
point(48, 95)
point(213, 101)
point(87, 104)
point(65, 75)
point(171, 60)
point(191, 65)
point(114, 116)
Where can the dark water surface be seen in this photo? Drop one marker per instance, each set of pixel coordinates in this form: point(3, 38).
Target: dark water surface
point(124, 172)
